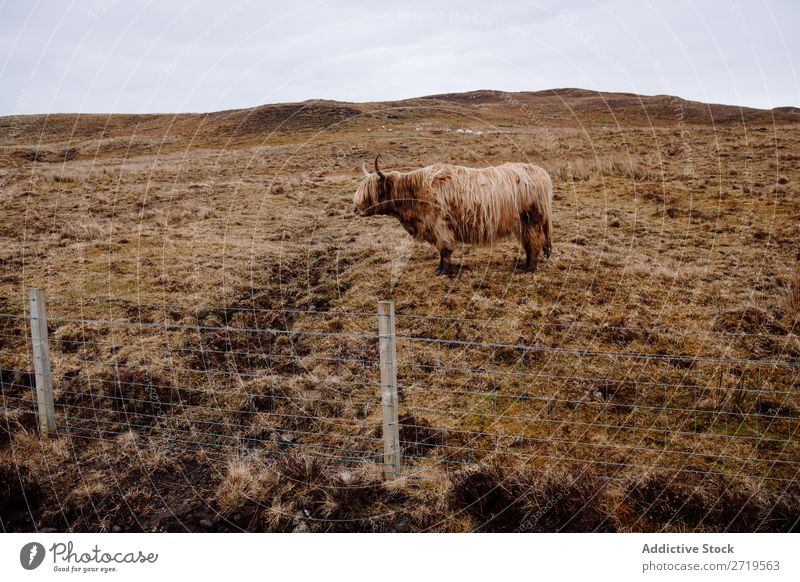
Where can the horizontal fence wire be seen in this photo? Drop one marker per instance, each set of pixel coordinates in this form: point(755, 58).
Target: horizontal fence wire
point(599, 353)
point(224, 452)
point(583, 379)
point(361, 453)
point(245, 452)
point(547, 440)
point(71, 418)
point(456, 342)
point(599, 327)
point(71, 343)
point(207, 309)
point(618, 427)
point(183, 405)
point(427, 340)
point(491, 395)
point(415, 317)
point(553, 400)
point(195, 397)
point(226, 423)
point(201, 391)
point(454, 447)
point(206, 371)
point(223, 328)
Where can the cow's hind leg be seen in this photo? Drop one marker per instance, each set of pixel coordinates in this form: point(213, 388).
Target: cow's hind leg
point(531, 237)
point(445, 266)
point(532, 240)
point(547, 247)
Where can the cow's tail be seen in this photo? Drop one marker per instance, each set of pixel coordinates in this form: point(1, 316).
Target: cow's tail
point(547, 225)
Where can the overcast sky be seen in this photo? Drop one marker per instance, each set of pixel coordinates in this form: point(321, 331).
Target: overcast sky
point(139, 56)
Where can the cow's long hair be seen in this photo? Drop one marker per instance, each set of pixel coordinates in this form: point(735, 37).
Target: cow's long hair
point(446, 205)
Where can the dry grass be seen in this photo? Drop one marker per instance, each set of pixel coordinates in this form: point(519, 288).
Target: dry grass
point(84, 231)
point(791, 306)
point(677, 240)
point(239, 486)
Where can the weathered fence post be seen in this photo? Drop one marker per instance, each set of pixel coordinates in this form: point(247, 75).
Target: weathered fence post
point(41, 362)
point(389, 402)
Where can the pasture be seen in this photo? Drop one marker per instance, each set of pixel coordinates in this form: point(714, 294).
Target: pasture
point(644, 378)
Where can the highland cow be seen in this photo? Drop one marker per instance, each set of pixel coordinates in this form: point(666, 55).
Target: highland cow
point(448, 205)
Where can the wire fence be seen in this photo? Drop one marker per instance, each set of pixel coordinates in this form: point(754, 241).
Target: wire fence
point(431, 392)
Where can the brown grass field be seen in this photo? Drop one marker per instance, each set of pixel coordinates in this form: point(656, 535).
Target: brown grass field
point(657, 389)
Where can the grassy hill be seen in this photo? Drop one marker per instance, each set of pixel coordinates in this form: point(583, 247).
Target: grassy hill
point(660, 393)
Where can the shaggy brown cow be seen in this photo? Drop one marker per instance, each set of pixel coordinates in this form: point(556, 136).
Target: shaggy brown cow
point(448, 205)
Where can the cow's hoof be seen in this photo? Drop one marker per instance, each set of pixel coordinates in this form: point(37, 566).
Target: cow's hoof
point(446, 272)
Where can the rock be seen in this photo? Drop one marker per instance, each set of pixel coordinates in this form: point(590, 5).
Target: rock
point(206, 524)
point(302, 528)
point(47, 530)
point(403, 146)
point(116, 529)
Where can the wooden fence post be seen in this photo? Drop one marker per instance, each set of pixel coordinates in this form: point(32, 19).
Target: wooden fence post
point(41, 362)
point(389, 401)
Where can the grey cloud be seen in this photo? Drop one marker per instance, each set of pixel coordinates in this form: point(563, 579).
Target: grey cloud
point(126, 56)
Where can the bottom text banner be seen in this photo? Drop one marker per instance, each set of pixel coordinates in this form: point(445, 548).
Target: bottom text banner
point(399, 556)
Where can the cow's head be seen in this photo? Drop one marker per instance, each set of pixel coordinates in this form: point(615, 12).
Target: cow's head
point(374, 192)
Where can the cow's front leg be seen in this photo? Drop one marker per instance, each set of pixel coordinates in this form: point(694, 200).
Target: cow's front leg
point(445, 266)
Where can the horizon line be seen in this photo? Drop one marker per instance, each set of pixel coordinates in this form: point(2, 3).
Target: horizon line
point(553, 90)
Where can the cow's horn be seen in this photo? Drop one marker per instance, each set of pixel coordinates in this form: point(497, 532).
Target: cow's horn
point(377, 169)
point(364, 168)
